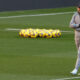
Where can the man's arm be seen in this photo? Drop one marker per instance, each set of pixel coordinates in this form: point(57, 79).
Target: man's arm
point(73, 24)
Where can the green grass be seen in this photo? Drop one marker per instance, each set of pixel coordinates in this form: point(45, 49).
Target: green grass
point(38, 11)
point(40, 58)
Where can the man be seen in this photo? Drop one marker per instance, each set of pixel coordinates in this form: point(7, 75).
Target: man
point(75, 24)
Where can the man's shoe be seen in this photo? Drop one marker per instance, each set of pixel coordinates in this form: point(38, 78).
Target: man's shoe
point(74, 72)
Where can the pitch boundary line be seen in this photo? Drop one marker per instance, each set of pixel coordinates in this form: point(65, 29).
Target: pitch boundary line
point(17, 29)
point(36, 15)
point(70, 78)
point(12, 29)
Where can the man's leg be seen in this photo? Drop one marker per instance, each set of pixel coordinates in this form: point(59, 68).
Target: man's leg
point(77, 41)
point(78, 60)
point(77, 63)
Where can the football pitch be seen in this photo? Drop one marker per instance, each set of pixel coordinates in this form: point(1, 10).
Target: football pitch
point(37, 58)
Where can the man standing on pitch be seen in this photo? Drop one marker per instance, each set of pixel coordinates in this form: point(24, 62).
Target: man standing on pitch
point(75, 24)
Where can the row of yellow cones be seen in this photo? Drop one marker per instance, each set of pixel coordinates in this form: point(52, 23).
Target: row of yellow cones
point(43, 33)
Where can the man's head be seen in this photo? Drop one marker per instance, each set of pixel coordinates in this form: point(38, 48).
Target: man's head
point(78, 8)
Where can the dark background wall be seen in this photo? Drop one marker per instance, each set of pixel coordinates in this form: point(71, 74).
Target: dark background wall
point(7, 5)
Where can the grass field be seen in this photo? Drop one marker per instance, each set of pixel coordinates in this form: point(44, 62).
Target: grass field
point(40, 58)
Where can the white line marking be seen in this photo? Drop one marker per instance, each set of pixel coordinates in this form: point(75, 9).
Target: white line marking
point(36, 15)
point(12, 29)
point(67, 78)
point(17, 29)
point(66, 31)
